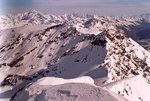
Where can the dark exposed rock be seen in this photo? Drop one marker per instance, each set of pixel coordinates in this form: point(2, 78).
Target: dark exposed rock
point(13, 63)
point(99, 42)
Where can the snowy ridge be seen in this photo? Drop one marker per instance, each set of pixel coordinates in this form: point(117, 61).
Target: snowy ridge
point(125, 57)
point(35, 17)
point(36, 48)
point(69, 91)
point(59, 81)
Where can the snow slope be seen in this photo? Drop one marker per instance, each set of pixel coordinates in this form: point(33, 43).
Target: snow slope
point(57, 89)
point(36, 48)
point(133, 89)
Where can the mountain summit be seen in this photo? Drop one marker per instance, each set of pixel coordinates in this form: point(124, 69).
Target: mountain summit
point(100, 54)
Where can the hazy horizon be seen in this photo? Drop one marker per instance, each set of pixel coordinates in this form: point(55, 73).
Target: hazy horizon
point(99, 7)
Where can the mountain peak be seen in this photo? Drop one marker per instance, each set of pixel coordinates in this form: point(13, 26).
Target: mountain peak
point(36, 48)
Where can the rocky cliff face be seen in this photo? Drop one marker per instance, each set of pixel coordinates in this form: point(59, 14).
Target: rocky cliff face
point(34, 45)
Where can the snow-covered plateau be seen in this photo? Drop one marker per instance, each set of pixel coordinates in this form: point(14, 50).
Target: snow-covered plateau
point(74, 57)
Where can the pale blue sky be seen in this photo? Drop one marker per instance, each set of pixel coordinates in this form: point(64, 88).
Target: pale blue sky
point(99, 7)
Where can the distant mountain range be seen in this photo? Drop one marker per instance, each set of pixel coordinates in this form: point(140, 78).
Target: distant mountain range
point(37, 50)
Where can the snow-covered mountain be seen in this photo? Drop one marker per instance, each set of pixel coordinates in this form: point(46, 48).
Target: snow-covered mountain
point(37, 48)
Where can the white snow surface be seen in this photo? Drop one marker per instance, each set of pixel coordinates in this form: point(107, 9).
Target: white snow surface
point(58, 81)
point(58, 58)
point(79, 89)
point(133, 88)
point(140, 52)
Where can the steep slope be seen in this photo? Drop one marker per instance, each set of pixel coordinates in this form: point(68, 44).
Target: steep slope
point(56, 49)
point(125, 57)
point(35, 45)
